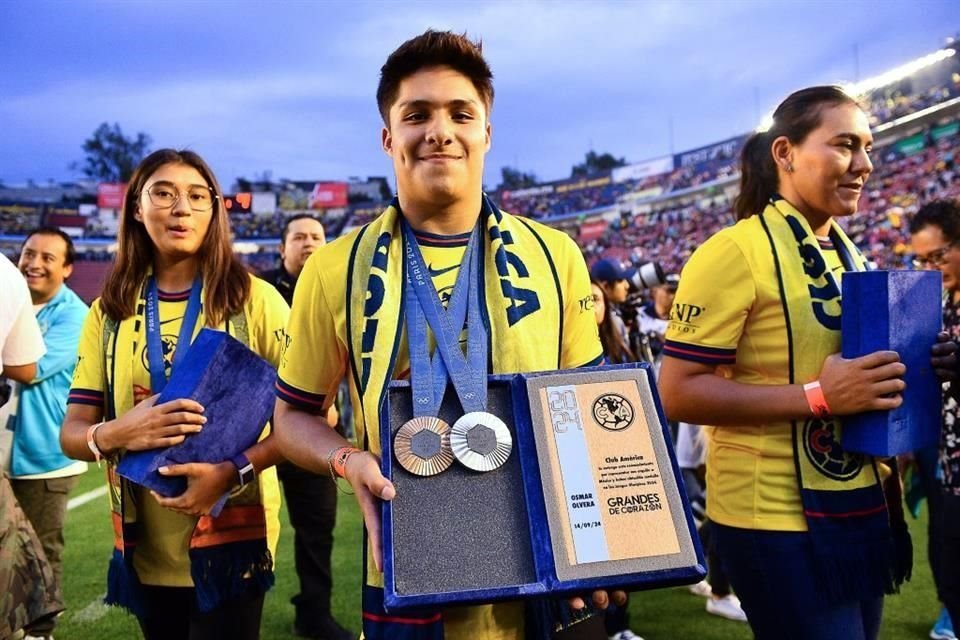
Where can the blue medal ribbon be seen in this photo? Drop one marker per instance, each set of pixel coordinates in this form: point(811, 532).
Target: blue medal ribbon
point(158, 376)
point(428, 377)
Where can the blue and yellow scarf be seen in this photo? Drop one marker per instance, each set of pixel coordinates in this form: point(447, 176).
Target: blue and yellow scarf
point(860, 553)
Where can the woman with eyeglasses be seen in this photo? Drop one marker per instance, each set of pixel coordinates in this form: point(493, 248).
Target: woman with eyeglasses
point(183, 573)
point(934, 235)
point(801, 526)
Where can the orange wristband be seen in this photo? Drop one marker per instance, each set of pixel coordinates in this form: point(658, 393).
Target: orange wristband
point(816, 400)
point(338, 460)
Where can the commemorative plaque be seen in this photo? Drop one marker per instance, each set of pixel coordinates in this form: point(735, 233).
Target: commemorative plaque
point(614, 504)
point(589, 497)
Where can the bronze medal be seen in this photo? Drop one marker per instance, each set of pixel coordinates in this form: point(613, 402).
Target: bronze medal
point(422, 446)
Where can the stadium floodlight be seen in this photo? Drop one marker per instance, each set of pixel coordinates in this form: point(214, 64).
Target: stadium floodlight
point(860, 89)
point(899, 73)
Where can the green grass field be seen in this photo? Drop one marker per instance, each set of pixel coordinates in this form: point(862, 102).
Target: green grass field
point(668, 614)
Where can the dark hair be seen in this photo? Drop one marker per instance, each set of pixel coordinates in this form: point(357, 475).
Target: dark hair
point(71, 253)
point(611, 339)
point(795, 118)
point(225, 280)
point(939, 213)
point(434, 49)
point(294, 218)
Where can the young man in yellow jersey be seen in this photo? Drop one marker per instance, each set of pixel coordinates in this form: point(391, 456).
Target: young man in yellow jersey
point(435, 96)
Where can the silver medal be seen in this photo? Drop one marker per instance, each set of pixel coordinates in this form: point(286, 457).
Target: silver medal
point(481, 441)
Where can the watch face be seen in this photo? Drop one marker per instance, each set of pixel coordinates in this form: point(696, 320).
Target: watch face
point(244, 469)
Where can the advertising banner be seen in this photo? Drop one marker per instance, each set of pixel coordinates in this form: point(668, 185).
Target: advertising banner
point(726, 150)
point(110, 195)
point(238, 202)
point(642, 170)
point(328, 195)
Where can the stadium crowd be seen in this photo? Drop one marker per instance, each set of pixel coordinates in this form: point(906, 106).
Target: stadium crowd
point(896, 190)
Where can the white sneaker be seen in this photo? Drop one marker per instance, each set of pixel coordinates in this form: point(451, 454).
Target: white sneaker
point(727, 607)
point(702, 589)
point(626, 634)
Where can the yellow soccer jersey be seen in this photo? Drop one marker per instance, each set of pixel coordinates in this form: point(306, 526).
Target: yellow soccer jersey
point(728, 313)
point(317, 358)
point(161, 558)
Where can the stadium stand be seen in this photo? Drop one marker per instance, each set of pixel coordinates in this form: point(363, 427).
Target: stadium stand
point(656, 210)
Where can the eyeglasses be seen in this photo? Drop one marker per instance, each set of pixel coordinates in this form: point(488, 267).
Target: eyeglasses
point(933, 259)
point(164, 196)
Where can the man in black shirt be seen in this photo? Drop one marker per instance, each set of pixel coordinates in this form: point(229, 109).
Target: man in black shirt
point(311, 498)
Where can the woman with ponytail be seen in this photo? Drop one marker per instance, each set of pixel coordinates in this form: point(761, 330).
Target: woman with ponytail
point(184, 573)
point(802, 526)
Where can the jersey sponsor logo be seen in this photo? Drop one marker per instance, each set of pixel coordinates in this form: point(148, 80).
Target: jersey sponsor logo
point(586, 303)
point(521, 302)
point(683, 317)
point(685, 313)
point(824, 452)
point(375, 289)
point(284, 339)
point(435, 273)
point(816, 269)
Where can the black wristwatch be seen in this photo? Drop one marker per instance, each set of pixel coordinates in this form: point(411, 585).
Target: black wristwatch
point(245, 469)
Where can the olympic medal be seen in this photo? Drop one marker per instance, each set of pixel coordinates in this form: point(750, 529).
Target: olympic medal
point(422, 446)
point(481, 441)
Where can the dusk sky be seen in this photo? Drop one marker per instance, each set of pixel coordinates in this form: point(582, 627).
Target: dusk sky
point(288, 87)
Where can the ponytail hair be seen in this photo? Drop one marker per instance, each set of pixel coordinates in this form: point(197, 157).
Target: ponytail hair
point(794, 119)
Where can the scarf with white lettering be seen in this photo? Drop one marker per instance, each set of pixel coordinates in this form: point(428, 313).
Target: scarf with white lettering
point(859, 554)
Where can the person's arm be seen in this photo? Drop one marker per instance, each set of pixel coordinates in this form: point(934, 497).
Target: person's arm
point(694, 392)
point(24, 342)
point(23, 373)
point(309, 442)
point(146, 426)
point(206, 482)
point(61, 341)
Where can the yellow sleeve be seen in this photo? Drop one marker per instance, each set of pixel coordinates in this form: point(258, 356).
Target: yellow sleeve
point(710, 310)
point(580, 343)
point(268, 315)
point(314, 359)
point(90, 374)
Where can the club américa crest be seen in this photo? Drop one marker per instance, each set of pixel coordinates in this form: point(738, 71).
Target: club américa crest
point(613, 412)
point(823, 450)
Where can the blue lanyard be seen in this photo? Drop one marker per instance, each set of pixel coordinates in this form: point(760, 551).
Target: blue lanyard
point(428, 378)
point(158, 377)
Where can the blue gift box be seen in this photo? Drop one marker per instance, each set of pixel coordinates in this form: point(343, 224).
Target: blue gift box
point(462, 537)
point(898, 311)
point(235, 387)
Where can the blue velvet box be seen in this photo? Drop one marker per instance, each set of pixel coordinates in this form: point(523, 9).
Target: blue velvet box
point(899, 311)
point(462, 537)
point(235, 387)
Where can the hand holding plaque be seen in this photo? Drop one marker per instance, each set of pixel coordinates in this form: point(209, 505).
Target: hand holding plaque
point(590, 500)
